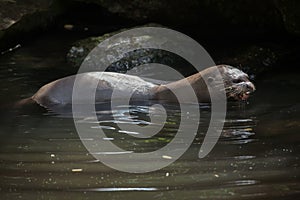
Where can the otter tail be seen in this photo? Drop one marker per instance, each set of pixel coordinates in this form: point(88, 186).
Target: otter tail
point(23, 103)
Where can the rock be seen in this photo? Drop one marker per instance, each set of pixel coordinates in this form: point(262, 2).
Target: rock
point(240, 17)
point(253, 59)
point(82, 48)
point(208, 16)
point(13, 10)
point(26, 18)
point(21, 18)
point(290, 11)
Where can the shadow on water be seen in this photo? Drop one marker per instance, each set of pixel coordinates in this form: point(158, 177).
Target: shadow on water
point(42, 155)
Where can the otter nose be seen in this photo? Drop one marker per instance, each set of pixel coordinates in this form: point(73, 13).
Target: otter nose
point(250, 86)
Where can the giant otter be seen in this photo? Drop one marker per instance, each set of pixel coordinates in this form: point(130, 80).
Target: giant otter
point(59, 92)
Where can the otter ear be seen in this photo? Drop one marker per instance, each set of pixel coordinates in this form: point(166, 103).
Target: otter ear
point(210, 80)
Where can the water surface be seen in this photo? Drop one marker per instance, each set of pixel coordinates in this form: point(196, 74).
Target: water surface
point(42, 156)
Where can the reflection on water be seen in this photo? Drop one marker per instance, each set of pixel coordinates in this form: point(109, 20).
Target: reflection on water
point(42, 155)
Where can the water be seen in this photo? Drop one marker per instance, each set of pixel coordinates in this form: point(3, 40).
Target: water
point(42, 156)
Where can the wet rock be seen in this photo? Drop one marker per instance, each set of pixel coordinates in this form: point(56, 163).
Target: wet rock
point(213, 17)
point(19, 18)
point(82, 48)
point(79, 51)
point(252, 59)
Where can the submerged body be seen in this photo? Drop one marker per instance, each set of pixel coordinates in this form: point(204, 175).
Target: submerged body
point(60, 91)
point(232, 81)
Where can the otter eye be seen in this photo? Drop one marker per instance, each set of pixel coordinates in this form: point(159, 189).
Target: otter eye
point(237, 80)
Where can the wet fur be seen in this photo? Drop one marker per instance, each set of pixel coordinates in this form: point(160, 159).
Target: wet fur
point(233, 81)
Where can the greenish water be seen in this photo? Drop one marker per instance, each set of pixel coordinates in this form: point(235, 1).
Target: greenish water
point(42, 157)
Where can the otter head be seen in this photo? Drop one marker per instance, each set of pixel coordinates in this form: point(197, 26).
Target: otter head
point(236, 83)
